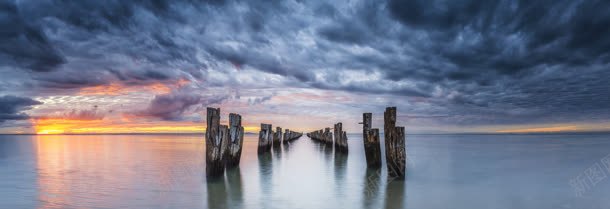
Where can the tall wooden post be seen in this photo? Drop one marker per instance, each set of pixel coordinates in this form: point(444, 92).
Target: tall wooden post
point(337, 134)
point(328, 136)
point(395, 149)
point(277, 137)
point(340, 138)
point(343, 146)
point(225, 143)
point(236, 139)
point(372, 147)
point(214, 147)
point(265, 138)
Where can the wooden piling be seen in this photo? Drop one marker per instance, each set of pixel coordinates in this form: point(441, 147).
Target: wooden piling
point(277, 137)
point(340, 138)
point(317, 136)
point(395, 149)
point(265, 138)
point(225, 143)
point(343, 146)
point(286, 136)
point(372, 147)
point(236, 139)
point(328, 137)
point(214, 148)
point(290, 135)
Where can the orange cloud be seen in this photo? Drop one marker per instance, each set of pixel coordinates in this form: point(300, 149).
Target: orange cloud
point(116, 88)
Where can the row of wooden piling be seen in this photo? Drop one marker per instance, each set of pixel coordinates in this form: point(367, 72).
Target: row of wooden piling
point(268, 138)
point(394, 138)
point(326, 137)
point(223, 143)
point(291, 136)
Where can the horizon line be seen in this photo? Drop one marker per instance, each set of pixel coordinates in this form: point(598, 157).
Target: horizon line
point(421, 133)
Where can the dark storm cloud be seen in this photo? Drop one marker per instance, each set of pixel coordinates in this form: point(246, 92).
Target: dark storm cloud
point(499, 61)
point(473, 61)
point(11, 107)
point(509, 37)
point(172, 106)
point(23, 44)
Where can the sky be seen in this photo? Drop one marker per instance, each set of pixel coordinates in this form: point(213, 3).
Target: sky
point(154, 66)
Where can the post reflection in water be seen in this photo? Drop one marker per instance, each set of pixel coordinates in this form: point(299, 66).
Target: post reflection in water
point(277, 152)
point(226, 192)
point(340, 169)
point(265, 167)
point(394, 194)
point(371, 187)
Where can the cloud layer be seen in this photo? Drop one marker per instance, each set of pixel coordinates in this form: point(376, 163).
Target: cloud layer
point(11, 107)
point(443, 63)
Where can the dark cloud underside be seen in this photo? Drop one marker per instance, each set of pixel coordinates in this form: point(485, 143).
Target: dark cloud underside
point(11, 107)
point(471, 61)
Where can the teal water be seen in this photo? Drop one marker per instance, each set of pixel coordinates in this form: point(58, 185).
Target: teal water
point(168, 171)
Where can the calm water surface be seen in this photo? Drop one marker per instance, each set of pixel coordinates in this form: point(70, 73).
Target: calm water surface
point(168, 171)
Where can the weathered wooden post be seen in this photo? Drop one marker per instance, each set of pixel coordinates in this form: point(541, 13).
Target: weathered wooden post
point(321, 136)
point(277, 137)
point(265, 138)
point(291, 135)
point(317, 136)
point(225, 143)
point(236, 136)
point(337, 134)
point(395, 150)
point(214, 148)
point(286, 136)
point(343, 146)
point(340, 138)
point(372, 147)
point(328, 136)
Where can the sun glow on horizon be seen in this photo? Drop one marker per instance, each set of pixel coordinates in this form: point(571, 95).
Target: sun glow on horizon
point(553, 129)
point(71, 126)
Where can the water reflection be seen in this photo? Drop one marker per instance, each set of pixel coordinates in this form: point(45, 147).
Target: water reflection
point(394, 194)
point(340, 170)
point(327, 151)
point(265, 171)
point(226, 192)
point(155, 171)
point(371, 187)
point(113, 171)
point(277, 152)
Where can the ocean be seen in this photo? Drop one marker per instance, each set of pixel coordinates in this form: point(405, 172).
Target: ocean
point(541, 171)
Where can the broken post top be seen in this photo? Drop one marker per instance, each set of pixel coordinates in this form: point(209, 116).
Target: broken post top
point(265, 126)
point(366, 120)
point(212, 128)
point(390, 116)
point(234, 119)
point(213, 116)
